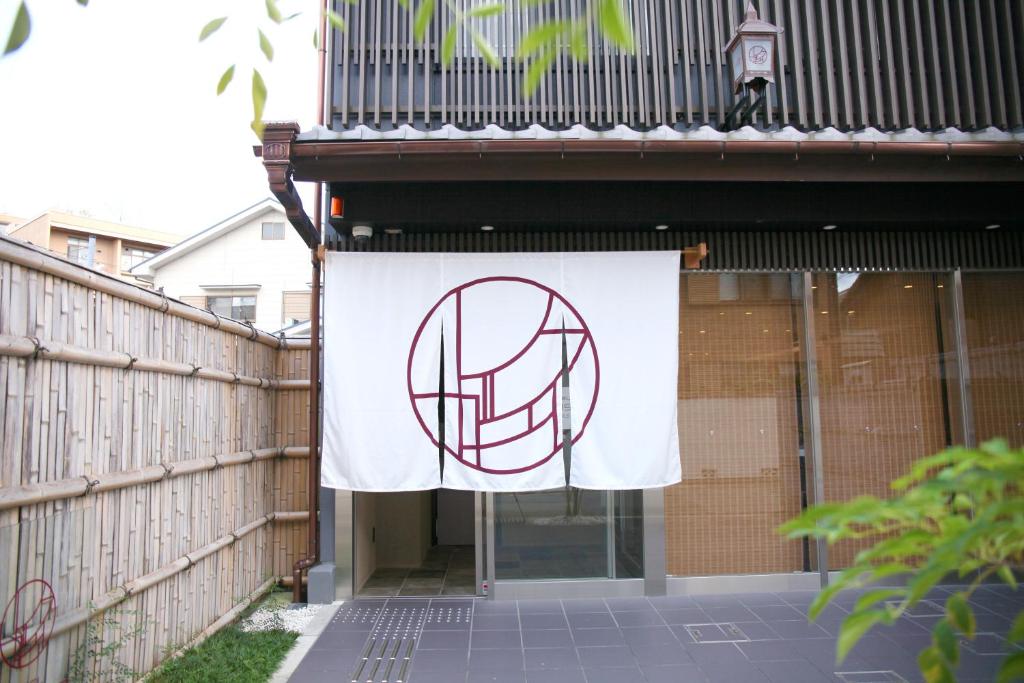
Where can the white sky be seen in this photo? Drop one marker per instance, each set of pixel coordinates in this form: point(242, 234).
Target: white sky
point(112, 109)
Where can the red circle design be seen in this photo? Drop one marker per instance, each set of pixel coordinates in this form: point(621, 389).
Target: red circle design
point(28, 623)
point(540, 412)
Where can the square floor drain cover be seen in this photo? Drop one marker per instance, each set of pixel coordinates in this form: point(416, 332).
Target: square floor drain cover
point(723, 632)
point(870, 677)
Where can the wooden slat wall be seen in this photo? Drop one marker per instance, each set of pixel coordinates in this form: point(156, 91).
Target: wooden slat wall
point(61, 420)
point(892, 64)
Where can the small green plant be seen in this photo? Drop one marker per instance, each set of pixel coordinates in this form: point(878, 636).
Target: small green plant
point(97, 657)
point(956, 514)
point(229, 655)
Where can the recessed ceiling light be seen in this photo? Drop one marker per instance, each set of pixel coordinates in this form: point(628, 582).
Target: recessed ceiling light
point(661, 227)
point(748, 313)
point(702, 331)
point(487, 228)
point(849, 313)
point(824, 312)
point(764, 330)
point(993, 226)
point(908, 286)
point(940, 285)
point(830, 226)
point(393, 231)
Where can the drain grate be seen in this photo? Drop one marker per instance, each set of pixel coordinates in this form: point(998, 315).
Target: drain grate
point(887, 676)
point(721, 632)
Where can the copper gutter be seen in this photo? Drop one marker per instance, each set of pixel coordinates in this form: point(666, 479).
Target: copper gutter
point(316, 254)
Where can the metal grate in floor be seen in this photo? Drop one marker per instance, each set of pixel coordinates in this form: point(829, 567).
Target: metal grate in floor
point(887, 676)
point(722, 632)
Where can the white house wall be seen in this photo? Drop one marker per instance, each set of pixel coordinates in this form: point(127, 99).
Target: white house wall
point(242, 257)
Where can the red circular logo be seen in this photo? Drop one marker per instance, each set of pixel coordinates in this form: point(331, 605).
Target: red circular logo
point(505, 328)
point(28, 622)
point(758, 55)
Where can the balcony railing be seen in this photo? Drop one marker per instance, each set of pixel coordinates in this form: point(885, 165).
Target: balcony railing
point(850, 64)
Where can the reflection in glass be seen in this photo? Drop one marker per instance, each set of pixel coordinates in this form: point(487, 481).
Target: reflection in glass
point(886, 373)
point(740, 395)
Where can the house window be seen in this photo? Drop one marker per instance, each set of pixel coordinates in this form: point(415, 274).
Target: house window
point(78, 250)
point(238, 307)
point(133, 256)
point(273, 231)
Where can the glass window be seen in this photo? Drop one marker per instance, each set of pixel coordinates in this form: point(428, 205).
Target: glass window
point(78, 250)
point(887, 377)
point(133, 256)
point(238, 307)
point(994, 313)
point(273, 231)
point(740, 426)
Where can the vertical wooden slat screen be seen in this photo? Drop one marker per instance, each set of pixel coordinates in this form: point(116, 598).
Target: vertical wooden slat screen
point(892, 64)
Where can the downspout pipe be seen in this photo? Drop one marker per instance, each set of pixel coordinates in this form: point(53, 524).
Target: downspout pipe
point(313, 483)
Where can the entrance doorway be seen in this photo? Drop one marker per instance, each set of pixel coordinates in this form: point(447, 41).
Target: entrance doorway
point(415, 543)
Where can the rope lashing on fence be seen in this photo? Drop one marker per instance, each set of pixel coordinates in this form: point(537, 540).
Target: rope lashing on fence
point(121, 593)
point(74, 487)
point(34, 348)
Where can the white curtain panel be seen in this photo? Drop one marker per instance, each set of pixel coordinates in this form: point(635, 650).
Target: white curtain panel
point(510, 323)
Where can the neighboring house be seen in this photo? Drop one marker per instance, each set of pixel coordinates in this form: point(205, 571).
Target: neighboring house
point(249, 267)
point(8, 223)
point(108, 247)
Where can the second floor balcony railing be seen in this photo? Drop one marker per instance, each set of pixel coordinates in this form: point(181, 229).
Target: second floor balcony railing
point(849, 64)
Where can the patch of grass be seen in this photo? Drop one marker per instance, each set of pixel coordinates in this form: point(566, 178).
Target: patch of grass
point(232, 655)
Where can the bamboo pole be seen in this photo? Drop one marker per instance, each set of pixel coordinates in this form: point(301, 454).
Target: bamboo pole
point(44, 492)
point(29, 347)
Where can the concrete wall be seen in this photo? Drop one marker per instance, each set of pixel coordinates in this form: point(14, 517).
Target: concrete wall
point(108, 250)
point(36, 231)
point(242, 257)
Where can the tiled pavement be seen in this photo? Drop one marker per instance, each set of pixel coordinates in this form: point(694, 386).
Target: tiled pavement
point(446, 570)
point(762, 637)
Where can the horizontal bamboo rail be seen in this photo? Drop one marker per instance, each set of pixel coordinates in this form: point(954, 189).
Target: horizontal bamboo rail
point(43, 492)
point(123, 592)
point(31, 347)
point(33, 257)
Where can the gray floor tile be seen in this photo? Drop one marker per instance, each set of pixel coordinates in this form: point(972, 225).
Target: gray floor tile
point(552, 658)
point(645, 618)
point(591, 620)
point(496, 660)
point(751, 599)
point(628, 604)
point(768, 651)
point(496, 677)
point(501, 640)
point(674, 674)
point(685, 615)
point(537, 638)
point(791, 672)
point(649, 635)
point(607, 657)
point(443, 640)
point(632, 675)
point(660, 655)
point(340, 640)
point(584, 606)
point(597, 636)
point(671, 602)
point(555, 676)
point(430, 677)
point(540, 606)
point(491, 622)
point(439, 660)
point(529, 620)
point(495, 607)
point(732, 613)
point(716, 600)
point(798, 628)
point(757, 630)
point(776, 612)
point(736, 671)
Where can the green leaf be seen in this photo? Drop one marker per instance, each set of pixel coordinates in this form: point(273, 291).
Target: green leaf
point(265, 46)
point(877, 595)
point(541, 37)
point(578, 42)
point(1016, 634)
point(960, 614)
point(933, 667)
point(537, 69)
point(211, 28)
point(20, 30)
point(853, 628)
point(83, 3)
point(225, 79)
point(451, 37)
point(316, 38)
point(421, 21)
point(259, 100)
point(1006, 574)
point(945, 640)
point(335, 20)
point(491, 10)
point(490, 56)
point(614, 24)
point(1012, 668)
point(273, 12)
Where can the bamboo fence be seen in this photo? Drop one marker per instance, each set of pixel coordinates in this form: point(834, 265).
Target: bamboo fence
point(152, 460)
